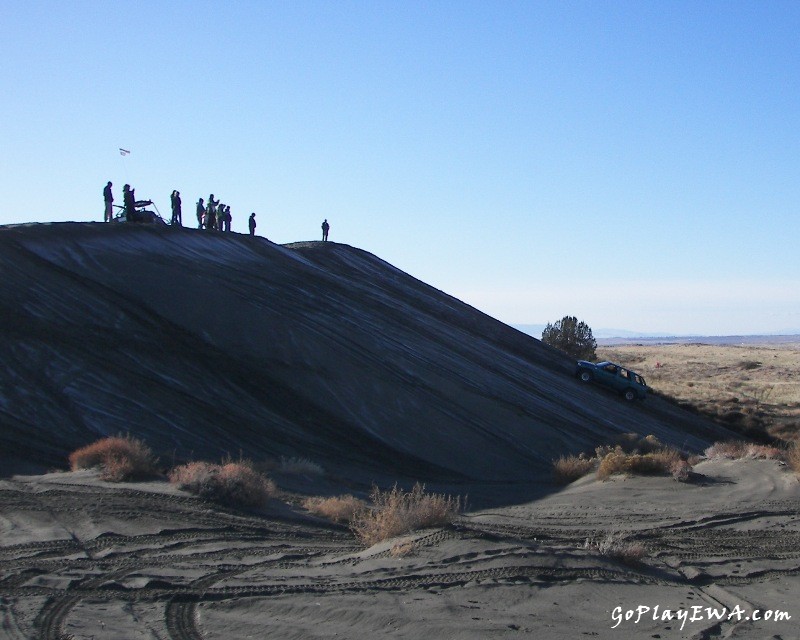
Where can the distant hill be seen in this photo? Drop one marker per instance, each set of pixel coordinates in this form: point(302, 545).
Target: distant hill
point(536, 330)
point(717, 340)
point(609, 337)
point(207, 344)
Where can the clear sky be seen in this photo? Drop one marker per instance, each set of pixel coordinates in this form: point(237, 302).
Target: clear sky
point(635, 163)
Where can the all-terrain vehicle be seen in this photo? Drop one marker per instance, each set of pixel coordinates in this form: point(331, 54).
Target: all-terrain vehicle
point(140, 214)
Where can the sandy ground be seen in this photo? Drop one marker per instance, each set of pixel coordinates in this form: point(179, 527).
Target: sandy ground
point(80, 558)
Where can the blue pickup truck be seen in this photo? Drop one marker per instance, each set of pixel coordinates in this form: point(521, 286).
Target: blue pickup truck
point(626, 382)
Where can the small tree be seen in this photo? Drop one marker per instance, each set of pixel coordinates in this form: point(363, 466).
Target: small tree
point(572, 337)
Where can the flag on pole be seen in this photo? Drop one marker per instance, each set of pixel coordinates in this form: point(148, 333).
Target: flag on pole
point(123, 152)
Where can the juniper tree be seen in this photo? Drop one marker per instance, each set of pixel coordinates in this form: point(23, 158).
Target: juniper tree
point(572, 337)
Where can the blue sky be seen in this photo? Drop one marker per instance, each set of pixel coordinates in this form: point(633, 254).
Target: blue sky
point(634, 164)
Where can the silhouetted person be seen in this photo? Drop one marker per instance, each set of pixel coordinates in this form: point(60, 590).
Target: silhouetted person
point(109, 200)
point(129, 201)
point(201, 211)
point(325, 228)
point(176, 208)
point(251, 223)
point(226, 218)
point(211, 212)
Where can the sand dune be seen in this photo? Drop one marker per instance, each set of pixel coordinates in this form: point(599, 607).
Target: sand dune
point(205, 344)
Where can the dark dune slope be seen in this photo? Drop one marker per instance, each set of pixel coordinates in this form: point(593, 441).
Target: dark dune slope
point(205, 344)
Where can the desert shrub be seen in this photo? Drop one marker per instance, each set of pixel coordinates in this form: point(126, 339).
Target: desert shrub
point(681, 470)
point(732, 450)
point(629, 453)
point(300, 467)
point(749, 365)
point(630, 443)
point(617, 546)
point(738, 450)
point(604, 449)
point(654, 463)
point(611, 462)
point(649, 444)
point(765, 452)
point(337, 509)
point(396, 512)
point(235, 483)
point(119, 458)
point(569, 468)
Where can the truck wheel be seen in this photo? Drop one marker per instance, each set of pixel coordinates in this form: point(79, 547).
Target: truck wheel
point(586, 376)
point(629, 395)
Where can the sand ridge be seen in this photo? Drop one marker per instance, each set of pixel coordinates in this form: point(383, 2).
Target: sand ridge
point(206, 344)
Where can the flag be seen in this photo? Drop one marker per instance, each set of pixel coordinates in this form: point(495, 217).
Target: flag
point(123, 152)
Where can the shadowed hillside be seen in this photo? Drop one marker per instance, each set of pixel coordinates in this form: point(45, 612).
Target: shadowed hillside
point(205, 344)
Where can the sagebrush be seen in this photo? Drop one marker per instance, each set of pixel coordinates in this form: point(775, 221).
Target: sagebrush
point(629, 453)
point(738, 449)
point(617, 545)
point(570, 468)
point(659, 462)
point(119, 458)
point(337, 508)
point(234, 483)
point(395, 512)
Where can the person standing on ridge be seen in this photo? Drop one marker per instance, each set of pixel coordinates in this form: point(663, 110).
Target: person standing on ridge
point(201, 211)
point(176, 208)
point(129, 200)
point(108, 216)
point(325, 228)
point(211, 212)
point(251, 223)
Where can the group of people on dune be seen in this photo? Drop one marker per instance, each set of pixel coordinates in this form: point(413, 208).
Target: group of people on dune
point(211, 215)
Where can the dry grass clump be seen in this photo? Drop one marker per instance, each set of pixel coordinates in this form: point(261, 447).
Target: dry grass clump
point(235, 483)
point(570, 468)
point(659, 462)
point(630, 453)
point(738, 450)
point(118, 458)
point(336, 509)
point(396, 512)
point(681, 470)
point(617, 546)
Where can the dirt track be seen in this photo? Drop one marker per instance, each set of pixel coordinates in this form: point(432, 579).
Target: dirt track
point(85, 559)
